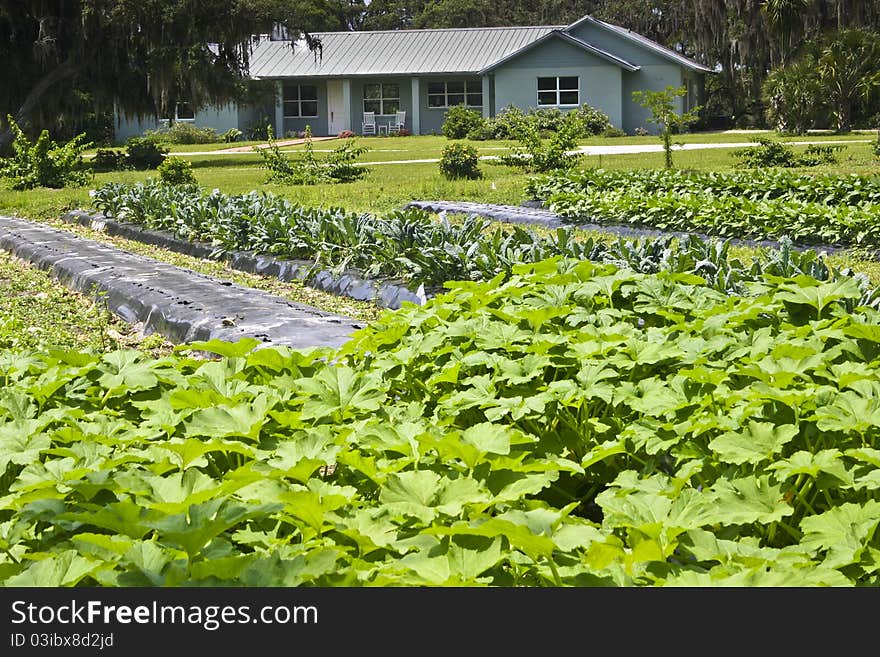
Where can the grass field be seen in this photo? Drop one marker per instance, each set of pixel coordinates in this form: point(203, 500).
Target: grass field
point(390, 186)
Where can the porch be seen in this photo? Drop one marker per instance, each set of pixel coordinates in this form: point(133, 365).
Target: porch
point(332, 105)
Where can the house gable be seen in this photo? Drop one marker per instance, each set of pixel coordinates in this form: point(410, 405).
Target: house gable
point(598, 79)
point(628, 44)
point(549, 45)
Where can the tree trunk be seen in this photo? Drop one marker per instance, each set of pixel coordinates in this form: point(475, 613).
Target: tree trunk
point(64, 70)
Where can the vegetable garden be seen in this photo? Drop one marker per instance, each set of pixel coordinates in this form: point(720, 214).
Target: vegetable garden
point(565, 411)
point(575, 424)
point(831, 210)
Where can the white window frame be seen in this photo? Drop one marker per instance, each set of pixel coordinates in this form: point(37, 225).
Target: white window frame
point(382, 99)
point(177, 116)
point(558, 90)
point(445, 94)
point(298, 101)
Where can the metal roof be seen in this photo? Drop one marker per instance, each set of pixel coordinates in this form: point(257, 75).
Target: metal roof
point(468, 50)
point(643, 41)
point(583, 45)
point(345, 54)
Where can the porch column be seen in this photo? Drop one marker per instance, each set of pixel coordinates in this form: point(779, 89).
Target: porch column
point(346, 103)
point(416, 106)
point(487, 105)
point(279, 110)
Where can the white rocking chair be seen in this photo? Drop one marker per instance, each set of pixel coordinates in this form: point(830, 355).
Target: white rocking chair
point(398, 124)
point(368, 125)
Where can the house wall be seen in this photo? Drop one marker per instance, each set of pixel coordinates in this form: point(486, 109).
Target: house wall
point(221, 119)
point(655, 78)
point(318, 124)
point(252, 117)
point(357, 100)
point(656, 73)
point(431, 119)
point(600, 80)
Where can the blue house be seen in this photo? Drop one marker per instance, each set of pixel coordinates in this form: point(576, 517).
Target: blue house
point(425, 72)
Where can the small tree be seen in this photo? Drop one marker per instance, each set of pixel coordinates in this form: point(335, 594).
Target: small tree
point(44, 163)
point(661, 104)
point(534, 156)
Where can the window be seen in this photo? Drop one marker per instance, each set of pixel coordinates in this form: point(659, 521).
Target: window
point(300, 100)
point(382, 98)
point(558, 91)
point(449, 94)
point(183, 112)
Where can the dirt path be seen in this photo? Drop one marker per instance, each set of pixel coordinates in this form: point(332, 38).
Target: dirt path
point(247, 149)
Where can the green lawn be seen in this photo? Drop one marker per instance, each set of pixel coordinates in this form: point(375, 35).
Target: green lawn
point(388, 187)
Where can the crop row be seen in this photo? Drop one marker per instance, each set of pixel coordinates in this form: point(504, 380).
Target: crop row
point(725, 216)
point(827, 189)
point(411, 245)
point(574, 425)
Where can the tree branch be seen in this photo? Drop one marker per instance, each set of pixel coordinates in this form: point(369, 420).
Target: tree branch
point(64, 70)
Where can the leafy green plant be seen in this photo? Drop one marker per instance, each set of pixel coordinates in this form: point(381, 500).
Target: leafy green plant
point(459, 161)
point(108, 159)
point(460, 121)
point(772, 153)
point(183, 132)
point(231, 135)
point(536, 155)
point(592, 120)
point(410, 246)
point(793, 96)
point(506, 123)
point(308, 169)
point(661, 104)
point(829, 210)
point(829, 189)
point(176, 171)
point(768, 153)
point(44, 163)
point(571, 425)
point(144, 153)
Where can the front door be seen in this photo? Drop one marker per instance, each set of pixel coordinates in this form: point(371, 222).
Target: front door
point(337, 110)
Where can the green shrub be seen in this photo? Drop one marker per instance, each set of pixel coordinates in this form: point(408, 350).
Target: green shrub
point(144, 153)
point(176, 171)
point(340, 162)
point(280, 166)
point(184, 133)
point(44, 163)
point(613, 132)
point(482, 132)
point(108, 159)
point(546, 119)
point(460, 161)
point(793, 96)
point(817, 154)
point(593, 122)
point(771, 153)
point(460, 121)
point(537, 155)
point(231, 135)
point(768, 153)
point(308, 169)
point(506, 123)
